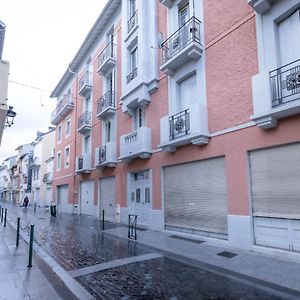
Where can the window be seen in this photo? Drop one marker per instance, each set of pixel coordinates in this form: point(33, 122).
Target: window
point(110, 85)
point(59, 134)
point(186, 93)
point(289, 42)
point(87, 144)
point(139, 118)
point(147, 195)
point(87, 103)
point(68, 126)
point(67, 157)
point(184, 15)
point(58, 161)
point(133, 58)
point(132, 63)
point(108, 132)
point(138, 196)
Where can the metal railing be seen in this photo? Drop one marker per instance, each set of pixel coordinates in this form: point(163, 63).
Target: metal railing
point(107, 100)
point(179, 125)
point(132, 75)
point(132, 224)
point(102, 155)
point(132, 21)
point(67, 99)
point(131, 138)
point(285, 83)
point(185, 35)
point(85, 119)
point(80, 162)
point(85, 79)
point(107, 52)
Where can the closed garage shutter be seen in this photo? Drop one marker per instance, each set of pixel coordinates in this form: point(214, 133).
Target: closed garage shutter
point(196, 197)
point(62, 193)
point(108, 197)
point(275, 181)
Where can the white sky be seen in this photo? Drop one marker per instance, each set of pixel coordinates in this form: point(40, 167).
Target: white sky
point(41, 39)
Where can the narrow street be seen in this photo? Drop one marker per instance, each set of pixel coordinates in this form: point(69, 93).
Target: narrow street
point(109, 267)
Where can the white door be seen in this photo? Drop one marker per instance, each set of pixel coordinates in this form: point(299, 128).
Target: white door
point(108, 198)
point(87, 206)
point(140, 196)
point(62, 198)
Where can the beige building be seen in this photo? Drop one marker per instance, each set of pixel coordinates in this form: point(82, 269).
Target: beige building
point(43, 150)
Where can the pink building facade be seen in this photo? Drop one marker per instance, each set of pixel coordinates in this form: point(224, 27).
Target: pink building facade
point(186, 114)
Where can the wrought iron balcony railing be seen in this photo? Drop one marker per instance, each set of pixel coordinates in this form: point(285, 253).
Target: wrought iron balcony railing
point(66, 100)
point(108, 52)
point(107, 100)
point(132, 75)
point(102, 155)
point(179, 125)
point(185, 35)
point(133, 21)
point(85, 119)
point(285, 83)
point(80, 162)
point(86, 79)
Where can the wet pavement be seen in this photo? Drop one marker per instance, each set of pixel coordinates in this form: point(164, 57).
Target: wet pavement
point(76, 242)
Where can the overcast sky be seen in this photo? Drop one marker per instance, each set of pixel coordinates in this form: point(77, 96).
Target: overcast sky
point(41, 39)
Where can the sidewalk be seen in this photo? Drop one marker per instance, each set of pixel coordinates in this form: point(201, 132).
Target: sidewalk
point(268, 270)
point(17, 281)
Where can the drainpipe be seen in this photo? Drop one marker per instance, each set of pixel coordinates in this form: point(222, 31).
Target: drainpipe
point(75, 135)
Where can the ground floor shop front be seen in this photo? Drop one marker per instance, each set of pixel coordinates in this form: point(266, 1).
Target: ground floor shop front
point(243, 187)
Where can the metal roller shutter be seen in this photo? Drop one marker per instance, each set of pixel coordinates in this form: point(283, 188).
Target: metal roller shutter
point(62, 193)
point(196, 196)
point(275, 181)
point(108, 197)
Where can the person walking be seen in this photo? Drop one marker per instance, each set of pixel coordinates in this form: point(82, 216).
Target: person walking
point(26, 201)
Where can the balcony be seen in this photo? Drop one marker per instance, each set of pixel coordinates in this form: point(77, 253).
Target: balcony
point(48, 178)
point(85, 84)
point(107, 59)
point(186, 127)
point(276, 95)
point(261, 6)
point(132, 22)
point(106, 106)
point(85, 122)
point(182, 46)
point(136, 144)
point(83, 164)
point(106, 156)
point(167, 3)
point(63, 108)
point(132, 75)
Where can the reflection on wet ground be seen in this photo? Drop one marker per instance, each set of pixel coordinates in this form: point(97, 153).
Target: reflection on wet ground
point(76, 241)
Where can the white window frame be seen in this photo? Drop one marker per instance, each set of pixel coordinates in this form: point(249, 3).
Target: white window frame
point(59, 134)
point(68, 121)
point(65, 158)
point(58, 161)
point(139, 118)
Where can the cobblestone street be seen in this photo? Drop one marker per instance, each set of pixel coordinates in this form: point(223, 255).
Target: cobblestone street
point(117, 268)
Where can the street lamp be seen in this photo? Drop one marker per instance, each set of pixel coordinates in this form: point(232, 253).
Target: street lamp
point(10, 115)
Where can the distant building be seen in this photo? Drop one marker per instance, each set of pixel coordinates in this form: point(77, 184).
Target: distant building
point(41, 168)
point(4, 71)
